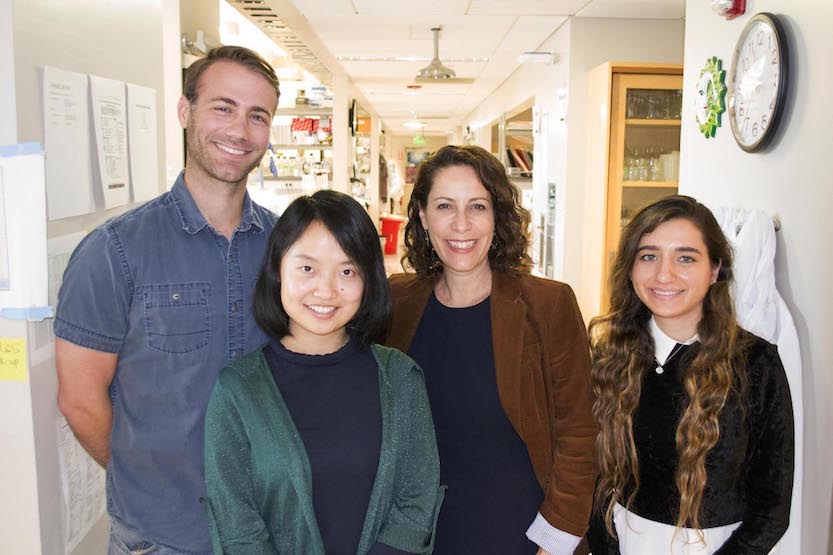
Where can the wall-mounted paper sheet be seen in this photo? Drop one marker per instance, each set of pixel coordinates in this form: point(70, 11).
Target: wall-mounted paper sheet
point(82, 485)
point(23, 206)
point(67, 142)
point(5, 271)
point(141, 127)
point(110, 121)
point(58, 250)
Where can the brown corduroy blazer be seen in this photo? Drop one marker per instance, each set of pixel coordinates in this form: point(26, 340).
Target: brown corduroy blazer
point(543, 376)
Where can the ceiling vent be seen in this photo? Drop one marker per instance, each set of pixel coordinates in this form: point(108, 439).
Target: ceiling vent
point(273, 26)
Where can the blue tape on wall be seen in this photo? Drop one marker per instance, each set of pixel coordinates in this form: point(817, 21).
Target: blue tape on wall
point(23, 149)
point(36, 313)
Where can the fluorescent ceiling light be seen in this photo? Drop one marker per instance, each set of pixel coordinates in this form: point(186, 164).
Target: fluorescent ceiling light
point(475, 60)
point(414, 124)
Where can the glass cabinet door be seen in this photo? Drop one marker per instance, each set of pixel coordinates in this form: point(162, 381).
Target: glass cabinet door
point(644, 149)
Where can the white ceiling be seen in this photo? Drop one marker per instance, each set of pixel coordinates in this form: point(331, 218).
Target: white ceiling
point(496, 30)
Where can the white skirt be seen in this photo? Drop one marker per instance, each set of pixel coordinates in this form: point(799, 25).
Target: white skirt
point(640, 536)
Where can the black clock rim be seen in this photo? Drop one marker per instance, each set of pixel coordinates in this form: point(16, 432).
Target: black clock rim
point(783, 81)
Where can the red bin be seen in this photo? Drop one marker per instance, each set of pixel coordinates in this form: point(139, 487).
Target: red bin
point(390, 229)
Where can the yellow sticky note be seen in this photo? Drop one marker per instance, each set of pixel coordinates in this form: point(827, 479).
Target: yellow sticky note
point(13, 367)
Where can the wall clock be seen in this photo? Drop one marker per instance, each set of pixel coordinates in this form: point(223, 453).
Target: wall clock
point(711, 92)
point(758, 82)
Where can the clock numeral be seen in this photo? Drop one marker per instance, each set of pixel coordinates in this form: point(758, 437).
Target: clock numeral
point(774, 57)
point(745, 64)
point(763, 122)
point(760, 38)
point(772, 104)
point(745, 125)
point(741, 111)
point(754, 129)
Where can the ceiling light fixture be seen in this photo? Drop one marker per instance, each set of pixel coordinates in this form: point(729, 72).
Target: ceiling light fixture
point(414, 124)
point(469, 60)
point(436, 71)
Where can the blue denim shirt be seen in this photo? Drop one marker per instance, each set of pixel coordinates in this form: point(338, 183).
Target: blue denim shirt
point(173, 298)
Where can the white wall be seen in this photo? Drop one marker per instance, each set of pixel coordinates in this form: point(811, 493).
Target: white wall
point(129, 40)
point(581, 44)
point(792, 180)
point(8, 106)
point(174, 159)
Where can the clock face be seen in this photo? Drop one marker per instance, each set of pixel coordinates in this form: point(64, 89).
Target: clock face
point(757, 82)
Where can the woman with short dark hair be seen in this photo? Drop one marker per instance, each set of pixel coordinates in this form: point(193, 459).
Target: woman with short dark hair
point(696, 425)
point(506, 364)
point(321, 441)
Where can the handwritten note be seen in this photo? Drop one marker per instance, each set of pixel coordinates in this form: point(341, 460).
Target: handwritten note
point(13, 366)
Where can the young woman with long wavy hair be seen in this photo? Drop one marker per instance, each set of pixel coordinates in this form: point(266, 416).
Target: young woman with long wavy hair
point(696, 432)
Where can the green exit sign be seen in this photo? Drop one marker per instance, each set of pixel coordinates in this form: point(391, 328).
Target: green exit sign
point(419, 140)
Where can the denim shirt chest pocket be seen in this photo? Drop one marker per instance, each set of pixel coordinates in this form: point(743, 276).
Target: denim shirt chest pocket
point(177, 316)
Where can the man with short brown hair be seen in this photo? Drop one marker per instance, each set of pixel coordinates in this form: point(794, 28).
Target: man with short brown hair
point(156, 301)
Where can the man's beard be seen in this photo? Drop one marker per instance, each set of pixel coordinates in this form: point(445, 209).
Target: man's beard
point(198, 152)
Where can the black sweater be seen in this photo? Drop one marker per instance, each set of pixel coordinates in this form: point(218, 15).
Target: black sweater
point(750, 469)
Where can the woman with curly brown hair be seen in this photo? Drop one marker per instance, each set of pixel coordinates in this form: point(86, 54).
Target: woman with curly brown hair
point(696, 433)
point(506, 364)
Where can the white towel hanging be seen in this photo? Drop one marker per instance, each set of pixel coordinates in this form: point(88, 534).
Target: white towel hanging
point(762, 311)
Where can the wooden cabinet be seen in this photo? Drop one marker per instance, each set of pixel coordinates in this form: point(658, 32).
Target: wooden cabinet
point(644, 146)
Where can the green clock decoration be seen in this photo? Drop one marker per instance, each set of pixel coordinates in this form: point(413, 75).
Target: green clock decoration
point(711, 92)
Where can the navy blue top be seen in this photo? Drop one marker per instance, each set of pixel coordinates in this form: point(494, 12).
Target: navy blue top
point(335, 406)
point(493, 495)
point(173, 298)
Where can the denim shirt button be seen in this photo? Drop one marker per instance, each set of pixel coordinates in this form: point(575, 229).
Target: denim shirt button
point(234, 306)
point(234, 354)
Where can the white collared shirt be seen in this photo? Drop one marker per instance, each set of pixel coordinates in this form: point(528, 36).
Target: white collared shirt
point(663, 344)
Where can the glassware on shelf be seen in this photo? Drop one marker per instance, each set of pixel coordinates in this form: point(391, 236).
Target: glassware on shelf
point(654, 169)
point(654, 106)
point(671, 165)
point(661, 104)
point(677, 104)
point(672, 104)
point(636, 105)
point(641, 164)
point(652, 162)
point(629, 168)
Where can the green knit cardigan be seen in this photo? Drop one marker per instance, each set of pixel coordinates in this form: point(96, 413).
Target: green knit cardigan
point(258, 481)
